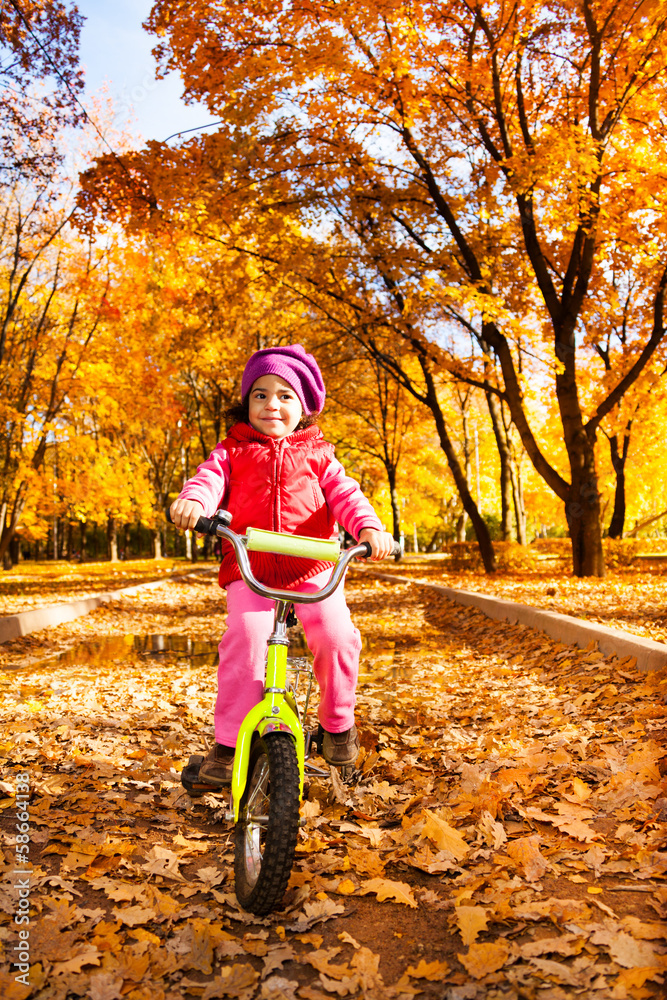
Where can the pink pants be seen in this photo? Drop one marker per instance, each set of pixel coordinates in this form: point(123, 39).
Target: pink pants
point(332, 638)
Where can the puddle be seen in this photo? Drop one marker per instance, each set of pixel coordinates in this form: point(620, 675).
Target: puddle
point(378, 659)
point(154, 648)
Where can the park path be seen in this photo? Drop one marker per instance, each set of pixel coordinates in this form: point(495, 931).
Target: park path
point(505, 836)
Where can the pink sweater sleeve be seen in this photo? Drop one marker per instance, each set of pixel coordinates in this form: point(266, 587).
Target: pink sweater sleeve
point(209, 482)
point(346, 501)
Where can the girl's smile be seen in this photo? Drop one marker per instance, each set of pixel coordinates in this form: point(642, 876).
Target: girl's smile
point(274, 408)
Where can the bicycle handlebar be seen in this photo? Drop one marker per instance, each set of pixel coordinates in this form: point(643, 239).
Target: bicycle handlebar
point(215, 526)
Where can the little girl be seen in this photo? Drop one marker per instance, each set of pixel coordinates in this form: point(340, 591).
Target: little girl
point(275, 471)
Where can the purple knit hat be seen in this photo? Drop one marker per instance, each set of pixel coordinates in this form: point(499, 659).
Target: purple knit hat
point(295, 366)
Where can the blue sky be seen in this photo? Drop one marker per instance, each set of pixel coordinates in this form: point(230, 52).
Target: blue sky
point(117, 51)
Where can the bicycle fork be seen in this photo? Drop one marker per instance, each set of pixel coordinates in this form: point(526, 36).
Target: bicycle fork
point(276, 712)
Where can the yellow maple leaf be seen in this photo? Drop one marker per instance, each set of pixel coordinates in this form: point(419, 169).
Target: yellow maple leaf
point(444, 836)
point(386, 889)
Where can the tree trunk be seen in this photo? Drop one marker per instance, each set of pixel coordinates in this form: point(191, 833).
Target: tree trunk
point(207, 547)
point(582, 511)
point(462, 519)
point(581, 499)
point(502, 444)
point(7, 531)
point(481, 531)
point(461, 522)
point(395, 505)
point(519, 507)
point(157, 544)
point(112, 539)
point(618, 460)
point(582, 502)
point(84, 540)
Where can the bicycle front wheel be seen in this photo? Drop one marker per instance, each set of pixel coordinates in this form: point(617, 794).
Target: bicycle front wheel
point(268, 826)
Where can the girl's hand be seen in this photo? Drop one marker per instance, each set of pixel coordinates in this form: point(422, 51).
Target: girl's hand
point(381, 543)
point(186, 513)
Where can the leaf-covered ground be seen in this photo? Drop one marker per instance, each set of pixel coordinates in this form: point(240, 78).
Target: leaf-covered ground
point(504, 836)
point(35, 584)
point(631, 599)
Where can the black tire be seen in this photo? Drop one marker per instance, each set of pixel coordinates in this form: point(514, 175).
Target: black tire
point(264, 851)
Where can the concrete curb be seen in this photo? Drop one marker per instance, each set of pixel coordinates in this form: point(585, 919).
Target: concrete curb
point(650, 655)
point(15, 626)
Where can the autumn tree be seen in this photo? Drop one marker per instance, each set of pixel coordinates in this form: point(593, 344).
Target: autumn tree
point(497, 144)
point(52, 293)
point(370, 414)
point(41, 81)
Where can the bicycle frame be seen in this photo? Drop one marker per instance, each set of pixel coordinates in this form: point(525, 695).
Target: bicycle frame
point(274, 712)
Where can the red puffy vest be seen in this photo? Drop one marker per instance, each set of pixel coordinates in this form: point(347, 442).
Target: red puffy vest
point(275, 485)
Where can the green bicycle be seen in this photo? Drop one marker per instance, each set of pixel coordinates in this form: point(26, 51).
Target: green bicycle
point(272, 749)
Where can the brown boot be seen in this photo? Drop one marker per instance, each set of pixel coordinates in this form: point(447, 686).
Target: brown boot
point(340, 749)
point(218, 765)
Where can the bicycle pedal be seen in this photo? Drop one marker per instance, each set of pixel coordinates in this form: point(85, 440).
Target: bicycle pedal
point(190, 778)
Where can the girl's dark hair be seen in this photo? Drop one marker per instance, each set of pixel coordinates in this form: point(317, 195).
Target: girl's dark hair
point(240, 414)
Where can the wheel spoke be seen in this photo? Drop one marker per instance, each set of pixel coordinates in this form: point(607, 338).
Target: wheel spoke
point(253, 852)
point(258, 797)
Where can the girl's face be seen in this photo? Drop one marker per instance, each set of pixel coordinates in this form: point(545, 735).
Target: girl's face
point(274, 407)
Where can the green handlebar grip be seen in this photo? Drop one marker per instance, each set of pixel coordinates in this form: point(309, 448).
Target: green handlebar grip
point(324, 549)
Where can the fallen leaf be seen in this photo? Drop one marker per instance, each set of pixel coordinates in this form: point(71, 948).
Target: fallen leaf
point(105, 986)
point(627, 952)
point(435, 972)
point(484, 958)
point(385, 889)
point(444, 836)
point(163, 862)
point(366, 964)
point(565, 944)
point(365, 862)
point(471, 920)
point(278, 988)
point(314, 913)
point(233, 981)
point(635, 978)
point(87, 956)
point(348, 939)
point(526, 852)
point(276, 957)
point(558, 971)
point(132, 916)
point(492, 830)
point(346, 887)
